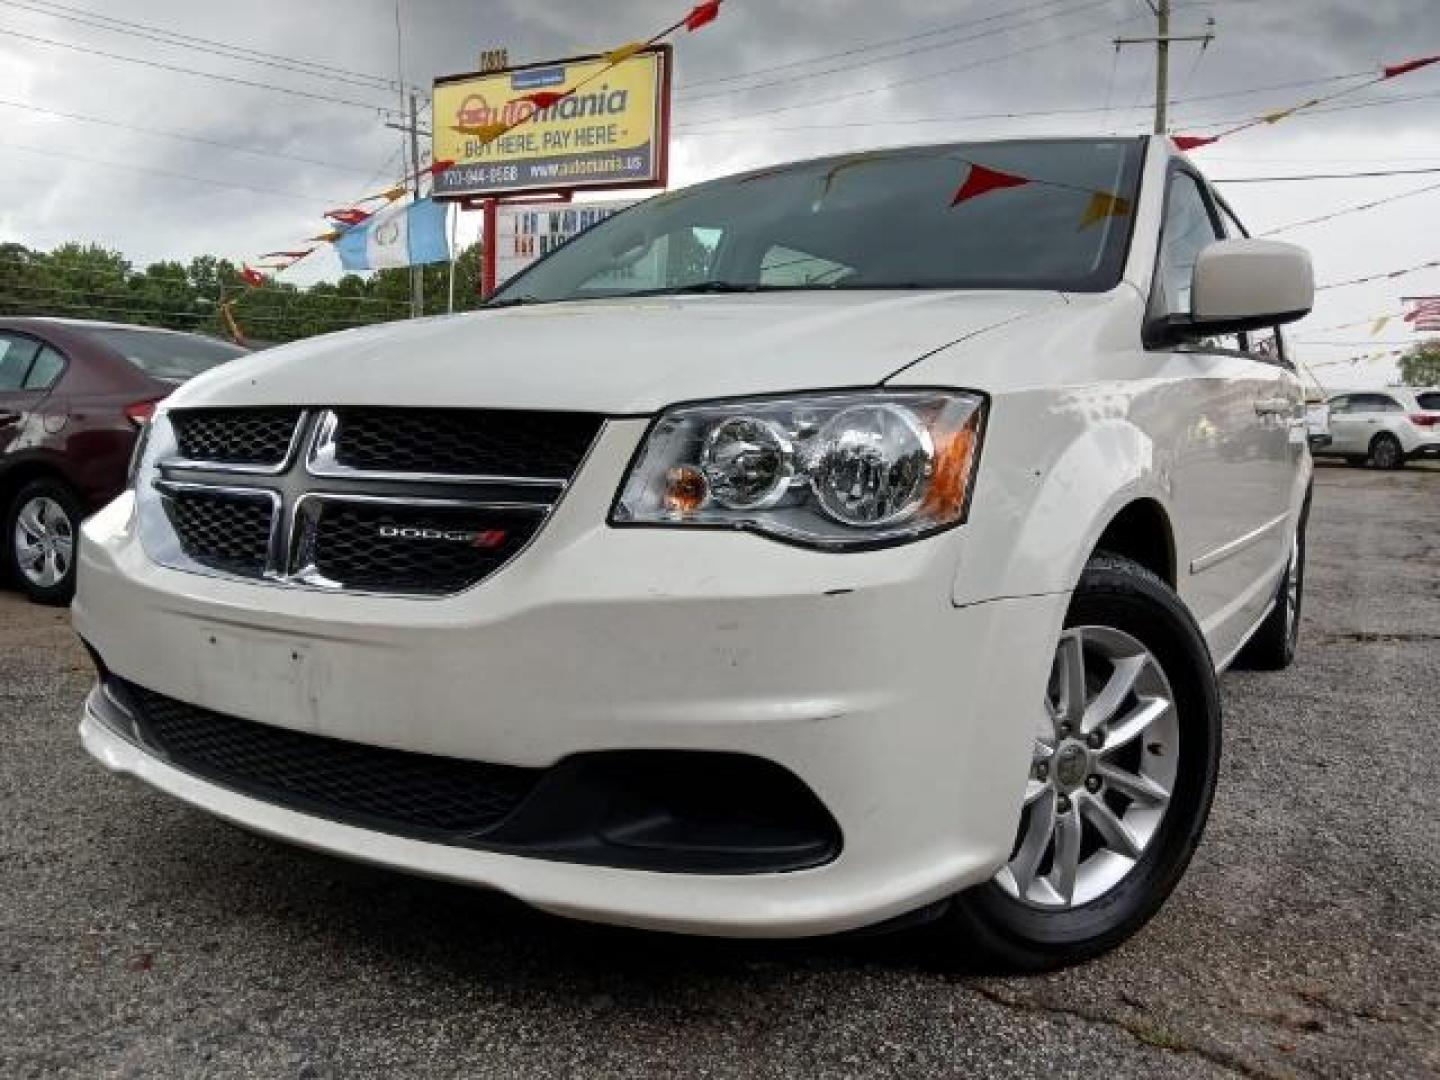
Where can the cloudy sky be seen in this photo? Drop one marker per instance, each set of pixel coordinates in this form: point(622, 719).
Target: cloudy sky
point(88, 148)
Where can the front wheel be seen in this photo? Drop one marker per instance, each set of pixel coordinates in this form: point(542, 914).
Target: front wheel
point(42, 527)
point(1126, 753)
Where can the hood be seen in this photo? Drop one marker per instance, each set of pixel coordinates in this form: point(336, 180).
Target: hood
point(617, 356)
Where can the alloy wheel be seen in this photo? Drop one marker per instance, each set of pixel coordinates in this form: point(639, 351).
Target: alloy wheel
point(1386, 453)
point(1102, 773)
point(44, 542)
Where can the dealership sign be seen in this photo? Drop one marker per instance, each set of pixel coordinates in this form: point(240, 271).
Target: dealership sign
point(526, 234)
point(611, 132)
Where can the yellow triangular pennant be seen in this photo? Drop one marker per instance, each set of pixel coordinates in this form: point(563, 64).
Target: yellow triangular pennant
point(1102, 205)
point(1379, 325)
point(625, 52)
point(484, 133)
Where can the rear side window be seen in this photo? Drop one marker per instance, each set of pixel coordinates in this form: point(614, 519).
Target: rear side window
point(164, 355)
point(1429, 400)
point(46, 369)
point(16, 355)
point(1374, 403)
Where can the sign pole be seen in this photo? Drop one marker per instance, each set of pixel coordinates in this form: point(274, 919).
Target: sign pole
point(417, 273)
point(490, 229)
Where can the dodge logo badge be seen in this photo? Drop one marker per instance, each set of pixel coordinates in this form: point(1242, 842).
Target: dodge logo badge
point(486, 539)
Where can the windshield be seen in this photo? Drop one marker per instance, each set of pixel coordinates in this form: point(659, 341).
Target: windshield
point(1003, 215)
point(164, 355)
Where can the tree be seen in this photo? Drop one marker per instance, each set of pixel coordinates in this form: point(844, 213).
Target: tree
point(1420, 366)
point(91, 282)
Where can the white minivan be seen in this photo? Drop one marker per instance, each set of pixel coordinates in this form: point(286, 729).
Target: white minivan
point(846, 542)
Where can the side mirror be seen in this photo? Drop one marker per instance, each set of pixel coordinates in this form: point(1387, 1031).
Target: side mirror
point(1245, 285)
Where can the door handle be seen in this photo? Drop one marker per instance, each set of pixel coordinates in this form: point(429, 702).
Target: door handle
point(1274, 407)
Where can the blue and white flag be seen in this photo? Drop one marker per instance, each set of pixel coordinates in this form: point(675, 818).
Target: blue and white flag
point(408, 235)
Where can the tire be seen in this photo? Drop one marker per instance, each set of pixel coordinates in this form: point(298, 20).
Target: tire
point(992, 926)
point(1386, 452)
point(43, 521)
point(1272, 647)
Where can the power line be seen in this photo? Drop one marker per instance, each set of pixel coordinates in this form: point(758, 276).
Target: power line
point(367, 106)
point(1088, 5)
point(856, 50)
point(1351, 209)
point(167, 173)
point(1325, 176)
point(995, 59)
point(1020, 114)
point(83, 118)
point(200, 44)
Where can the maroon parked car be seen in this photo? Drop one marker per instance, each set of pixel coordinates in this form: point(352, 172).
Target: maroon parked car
point(73, 396)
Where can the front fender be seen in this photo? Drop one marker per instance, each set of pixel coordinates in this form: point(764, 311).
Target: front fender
point(1032, 529)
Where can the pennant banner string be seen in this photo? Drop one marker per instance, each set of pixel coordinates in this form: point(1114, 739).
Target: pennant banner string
point(1393, 71)
point(1432, 264)
point(701, 15)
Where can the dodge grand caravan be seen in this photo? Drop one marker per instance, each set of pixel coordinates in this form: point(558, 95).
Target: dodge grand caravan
point(846, 542)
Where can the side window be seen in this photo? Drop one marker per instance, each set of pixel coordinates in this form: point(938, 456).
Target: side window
point(1188, 230)
point(45, 370)
point(786, 266)
point(1429, 400)
point(1339, 405)
point(16, 355)
point(1374, 403)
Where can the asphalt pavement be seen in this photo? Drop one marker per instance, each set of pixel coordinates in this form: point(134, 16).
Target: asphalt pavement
point(139, 938)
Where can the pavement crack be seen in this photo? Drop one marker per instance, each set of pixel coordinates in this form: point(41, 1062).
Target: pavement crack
point(1147, 1034)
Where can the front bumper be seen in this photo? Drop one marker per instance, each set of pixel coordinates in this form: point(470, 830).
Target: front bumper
point(909, 718)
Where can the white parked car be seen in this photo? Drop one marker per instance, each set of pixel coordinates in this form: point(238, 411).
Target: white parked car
point(804, 550)
point(1384, 427)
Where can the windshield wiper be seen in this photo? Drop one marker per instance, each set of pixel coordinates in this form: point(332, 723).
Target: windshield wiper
point(511, 301)
point(697, 287)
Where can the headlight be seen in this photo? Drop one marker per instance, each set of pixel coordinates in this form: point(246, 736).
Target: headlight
point(834, 470)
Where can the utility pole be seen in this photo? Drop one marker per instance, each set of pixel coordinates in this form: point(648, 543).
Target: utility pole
point(1161, 41)
point(417, 273)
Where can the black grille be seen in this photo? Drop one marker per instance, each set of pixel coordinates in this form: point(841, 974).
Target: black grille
point(412, 549)
point(488, 442)
point(235, 436)
point(226, 532)
point(391, 789)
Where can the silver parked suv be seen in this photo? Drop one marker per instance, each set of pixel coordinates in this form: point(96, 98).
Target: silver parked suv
point(1384, 427)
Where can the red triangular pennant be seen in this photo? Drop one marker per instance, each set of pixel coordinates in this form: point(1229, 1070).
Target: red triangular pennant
point(1409, 66)
point(702, 15)
point(1193, 142)
point(253, 278)
point(981, 180)
point(544, 99)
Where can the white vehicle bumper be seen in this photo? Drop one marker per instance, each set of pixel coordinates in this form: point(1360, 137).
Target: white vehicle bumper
point(909, 718)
